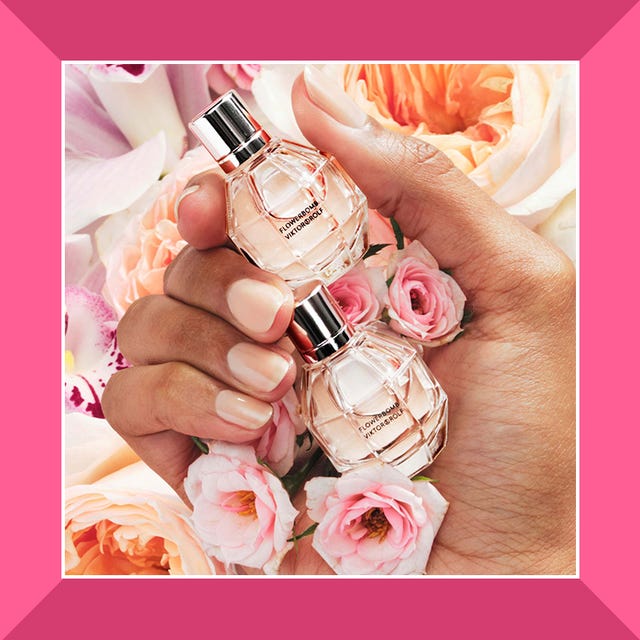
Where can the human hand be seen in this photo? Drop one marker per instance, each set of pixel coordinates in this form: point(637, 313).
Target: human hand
point(509, 468)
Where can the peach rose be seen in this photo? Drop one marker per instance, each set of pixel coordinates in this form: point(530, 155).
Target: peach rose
point(241, 511)
point(424, 303)
point(138, 245)
point(223, 77)
point(130, 522)
point(356, 295)
point(374, 520)
point(510, 127)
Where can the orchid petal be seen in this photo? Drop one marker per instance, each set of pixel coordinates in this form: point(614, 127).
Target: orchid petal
point(90, 326)
point(98, 187)
point(190, 90)
point(77, 257)
point(88, 128)
point(141, 105)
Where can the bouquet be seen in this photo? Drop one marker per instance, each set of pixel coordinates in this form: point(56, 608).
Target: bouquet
point(255, 504)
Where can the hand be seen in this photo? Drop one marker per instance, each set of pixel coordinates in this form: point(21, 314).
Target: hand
point(509, 468)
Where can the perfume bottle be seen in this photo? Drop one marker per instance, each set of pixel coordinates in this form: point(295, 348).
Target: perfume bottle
point(366, 392)
point(292, 210)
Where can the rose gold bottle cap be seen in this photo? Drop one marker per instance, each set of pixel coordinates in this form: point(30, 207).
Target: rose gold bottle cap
point(228, 131)
point(319, 327)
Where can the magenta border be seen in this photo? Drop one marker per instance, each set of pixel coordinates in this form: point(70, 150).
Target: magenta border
point(603, 603)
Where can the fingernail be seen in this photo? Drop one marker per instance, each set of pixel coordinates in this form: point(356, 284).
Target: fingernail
point(330, 97)
point(242, 410)
point(257, 367)
point(254, 304)
point(182, 196)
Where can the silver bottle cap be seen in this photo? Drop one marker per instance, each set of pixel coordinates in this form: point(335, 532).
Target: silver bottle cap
point(228, 131)
point(319, 327)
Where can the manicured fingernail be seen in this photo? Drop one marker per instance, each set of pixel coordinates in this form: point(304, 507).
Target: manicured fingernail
point(242, 410)
point(330, 97)
point(182, 196)
point(254, 304)
point(257, 367)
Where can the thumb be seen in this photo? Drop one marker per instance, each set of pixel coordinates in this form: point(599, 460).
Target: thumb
point(404, 177)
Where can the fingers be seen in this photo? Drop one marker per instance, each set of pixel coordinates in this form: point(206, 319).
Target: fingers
point(225, 284)
point(201, 211)
point(160, 329)
point(140, 401)
point(409, 179)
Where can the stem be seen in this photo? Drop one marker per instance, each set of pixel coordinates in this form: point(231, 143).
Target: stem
point(293, 482)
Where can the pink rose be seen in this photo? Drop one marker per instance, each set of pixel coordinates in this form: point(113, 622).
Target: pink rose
point(139, 246)
point(424, 302)
point(241, 511)
point(355, 294)
point(277, 445)
point(223, 77)
point(374, 520)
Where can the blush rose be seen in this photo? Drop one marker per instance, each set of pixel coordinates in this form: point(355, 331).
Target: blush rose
point(241, 511)
point(425, 303)
point(374, 520)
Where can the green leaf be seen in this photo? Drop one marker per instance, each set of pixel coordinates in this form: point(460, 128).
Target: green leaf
point(307, 532)
point(293, 481)
point(447, 271)
point(390, 280)
point(398, 234)
point(467, 315)
point(200, 444)
point(423, 479)
point(374, 249)
point(457, 336)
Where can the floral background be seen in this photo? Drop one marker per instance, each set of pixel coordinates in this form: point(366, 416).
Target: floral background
point(510, 127)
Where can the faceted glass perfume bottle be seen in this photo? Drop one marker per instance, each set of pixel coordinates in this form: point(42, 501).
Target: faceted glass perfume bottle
point(292, 210)
point(366, 392)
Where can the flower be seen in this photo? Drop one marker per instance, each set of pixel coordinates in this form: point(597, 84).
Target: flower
point(137, 258)
point(130, 523)
point(241, 511)
point(91, 350)
point(92, 449)
point(374, 520)
point(424, 302)
point(510, 127)
point(116, 146)
point(356, 295)
point(277, 445)
point(223, 77)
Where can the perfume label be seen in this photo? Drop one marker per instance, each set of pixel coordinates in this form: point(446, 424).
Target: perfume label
point(301, 220)
point(380, 420)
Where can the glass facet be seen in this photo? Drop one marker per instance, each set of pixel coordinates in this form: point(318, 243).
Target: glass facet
point(375, 398)
point(293, 211)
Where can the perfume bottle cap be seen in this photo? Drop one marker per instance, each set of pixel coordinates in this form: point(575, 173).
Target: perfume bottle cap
point(228, 131)
point(319, 327)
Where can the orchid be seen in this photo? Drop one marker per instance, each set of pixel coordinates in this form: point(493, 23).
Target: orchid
point(91, 351)
point(125, 126)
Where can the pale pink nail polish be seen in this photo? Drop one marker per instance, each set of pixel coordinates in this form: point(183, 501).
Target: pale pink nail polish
point(242, 410)
point(254, 304)
point(291, 210)
point(366, 392)
point(257, 367)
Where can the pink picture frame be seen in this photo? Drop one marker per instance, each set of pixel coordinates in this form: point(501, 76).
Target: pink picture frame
point(601, 602)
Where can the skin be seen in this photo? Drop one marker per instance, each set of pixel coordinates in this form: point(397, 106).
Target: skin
point(509, 468)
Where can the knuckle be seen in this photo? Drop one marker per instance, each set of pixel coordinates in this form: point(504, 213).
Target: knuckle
point(168, 278)
point(129, 327)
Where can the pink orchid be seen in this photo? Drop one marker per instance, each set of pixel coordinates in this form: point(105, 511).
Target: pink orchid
point(91, 351)
point(116, 146)
point(374, 520)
